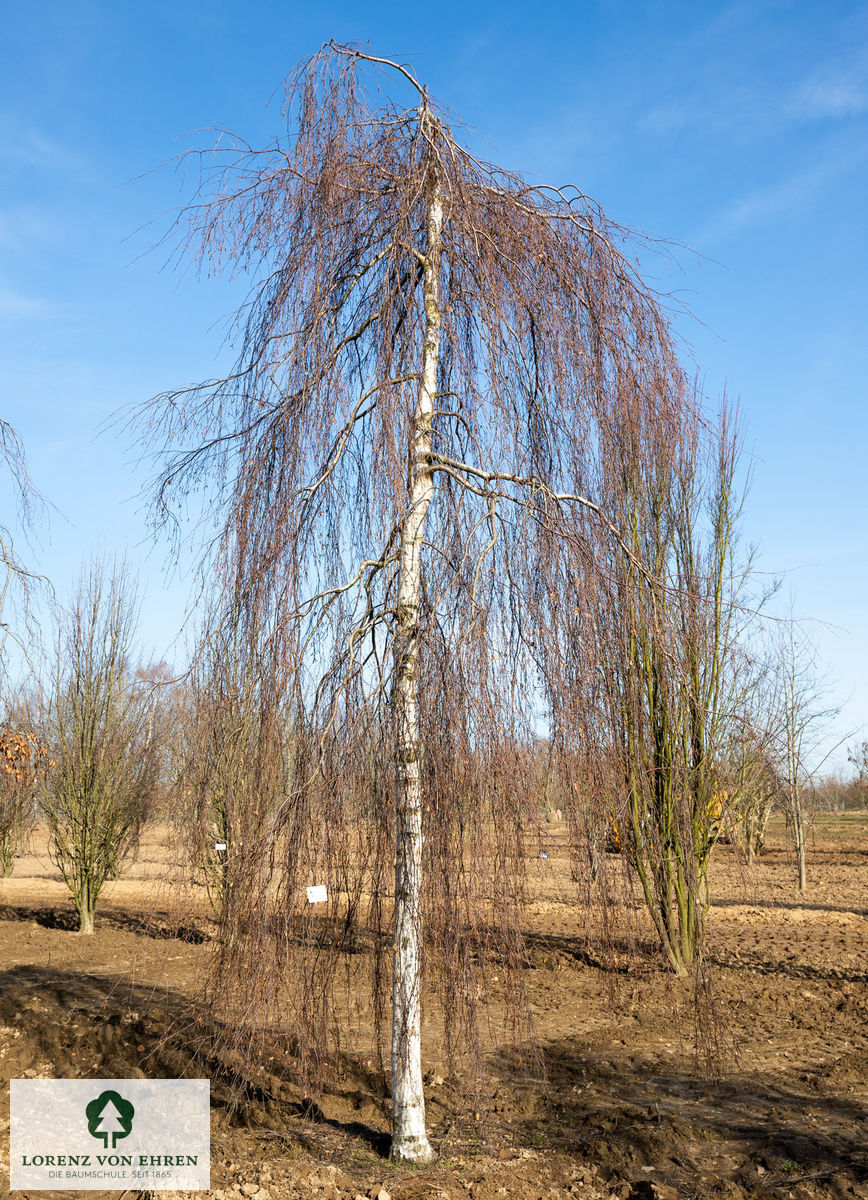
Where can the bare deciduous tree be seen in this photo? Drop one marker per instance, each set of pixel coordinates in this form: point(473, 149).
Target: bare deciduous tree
point(405, 461)
point(96, 793)
point(797, 726)
point(652, 683)
point(752, 786)
point(237, 766)
point(163, 696)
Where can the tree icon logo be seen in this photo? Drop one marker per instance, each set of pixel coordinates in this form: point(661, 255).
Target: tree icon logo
point(109, 1116)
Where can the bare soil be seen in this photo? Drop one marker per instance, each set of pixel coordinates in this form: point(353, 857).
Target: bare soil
point(624, 1108)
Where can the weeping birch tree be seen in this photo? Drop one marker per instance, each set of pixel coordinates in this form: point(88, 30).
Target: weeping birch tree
point(403, 465)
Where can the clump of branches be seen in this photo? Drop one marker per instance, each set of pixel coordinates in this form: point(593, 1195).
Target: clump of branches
point(654, 686)
point(752, 788)
point(857, 756)
point(23, 762)
point(751, 769)
point(835, 792)
point(96, 794)
point(22, 754)
point(797, 728)
point(407, 463)
point(165, 697)
point(237, 764)
point(16, 580)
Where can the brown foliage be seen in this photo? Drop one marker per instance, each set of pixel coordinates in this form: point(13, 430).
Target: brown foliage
point(23, 761)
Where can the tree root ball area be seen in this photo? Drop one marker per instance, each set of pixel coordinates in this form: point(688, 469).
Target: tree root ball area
point(625, 1108)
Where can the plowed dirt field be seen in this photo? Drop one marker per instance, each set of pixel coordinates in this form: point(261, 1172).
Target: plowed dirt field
point(623, 1108)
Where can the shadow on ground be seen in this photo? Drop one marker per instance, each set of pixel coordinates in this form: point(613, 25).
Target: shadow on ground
point(638, 1119)
point(156, 925)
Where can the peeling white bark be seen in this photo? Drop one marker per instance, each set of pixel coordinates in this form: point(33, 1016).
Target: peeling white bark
point(409, 1137)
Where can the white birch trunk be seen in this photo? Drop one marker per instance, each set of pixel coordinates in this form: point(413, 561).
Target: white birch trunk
point(409, 1137)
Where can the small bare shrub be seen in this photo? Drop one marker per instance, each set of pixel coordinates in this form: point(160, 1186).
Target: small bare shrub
point(96, 794)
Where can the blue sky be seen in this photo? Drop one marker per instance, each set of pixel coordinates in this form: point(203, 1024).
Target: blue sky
point(738, 129)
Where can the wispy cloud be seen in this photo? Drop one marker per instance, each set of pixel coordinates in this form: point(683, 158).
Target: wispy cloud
point(16, 306)
point(834, 96)
point(23, 227)
point(26, 146)
point(835, 91)
point(785, 196)
point(736, 109)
